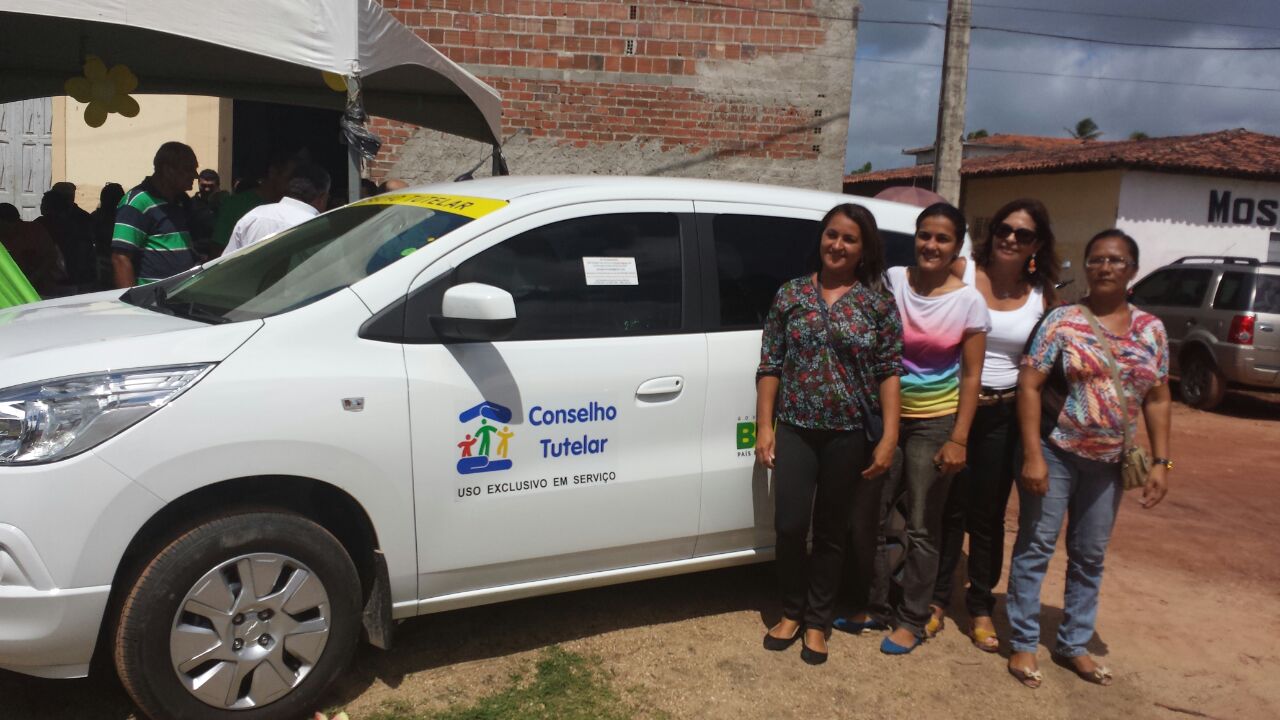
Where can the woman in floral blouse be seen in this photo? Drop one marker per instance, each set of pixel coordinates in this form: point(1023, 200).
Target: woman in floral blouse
point(1072, 449)
point(830, 356)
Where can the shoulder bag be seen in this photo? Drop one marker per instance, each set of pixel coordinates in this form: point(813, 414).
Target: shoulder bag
point(1135, 463)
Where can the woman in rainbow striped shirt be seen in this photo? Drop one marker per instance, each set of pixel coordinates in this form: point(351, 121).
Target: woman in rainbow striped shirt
point(944, 325)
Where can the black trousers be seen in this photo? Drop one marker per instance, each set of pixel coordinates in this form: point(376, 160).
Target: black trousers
point(976, 504)
point(818, 477)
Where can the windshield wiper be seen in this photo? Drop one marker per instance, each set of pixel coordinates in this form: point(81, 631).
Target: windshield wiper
point(188, 310)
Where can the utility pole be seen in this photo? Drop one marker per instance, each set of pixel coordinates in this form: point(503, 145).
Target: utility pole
point(949, 144)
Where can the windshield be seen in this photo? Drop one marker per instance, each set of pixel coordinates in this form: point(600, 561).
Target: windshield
point(306, 263)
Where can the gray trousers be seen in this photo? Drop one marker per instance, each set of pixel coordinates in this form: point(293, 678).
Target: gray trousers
point(926, 497)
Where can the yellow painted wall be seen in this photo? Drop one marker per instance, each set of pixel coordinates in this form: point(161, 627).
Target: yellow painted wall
point(122, 149)
point(1080, 204)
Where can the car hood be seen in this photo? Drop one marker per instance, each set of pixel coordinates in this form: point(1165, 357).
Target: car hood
point(98, 332)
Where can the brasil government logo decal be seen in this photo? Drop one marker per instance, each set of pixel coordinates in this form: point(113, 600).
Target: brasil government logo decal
point(485, 447)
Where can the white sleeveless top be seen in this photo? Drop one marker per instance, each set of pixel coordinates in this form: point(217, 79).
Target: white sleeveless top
point(1008, 336)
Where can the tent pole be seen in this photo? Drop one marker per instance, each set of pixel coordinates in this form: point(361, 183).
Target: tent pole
point(353, 173)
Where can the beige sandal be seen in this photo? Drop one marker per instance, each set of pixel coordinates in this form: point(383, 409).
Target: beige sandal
point(1100, 675)
point(1028, 677)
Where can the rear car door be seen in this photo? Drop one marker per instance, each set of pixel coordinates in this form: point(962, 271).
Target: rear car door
point(573, 446)
point(1176, 296)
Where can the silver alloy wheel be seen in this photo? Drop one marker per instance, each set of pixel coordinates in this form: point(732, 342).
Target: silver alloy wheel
point(249, 631)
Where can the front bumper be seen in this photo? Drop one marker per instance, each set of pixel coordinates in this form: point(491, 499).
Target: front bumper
point(45, 630)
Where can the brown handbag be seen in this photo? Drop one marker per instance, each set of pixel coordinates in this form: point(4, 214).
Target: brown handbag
point(1135, 463)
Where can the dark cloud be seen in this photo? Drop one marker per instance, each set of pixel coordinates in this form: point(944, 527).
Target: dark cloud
point(895, 103)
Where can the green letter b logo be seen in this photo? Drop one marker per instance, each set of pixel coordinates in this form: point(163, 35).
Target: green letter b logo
point(746, 435)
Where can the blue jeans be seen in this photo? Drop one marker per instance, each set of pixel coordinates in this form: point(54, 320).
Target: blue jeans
point(1087, 494)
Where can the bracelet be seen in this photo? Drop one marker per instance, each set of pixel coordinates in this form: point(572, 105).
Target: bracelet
point(963, 445)
point(1166, 462)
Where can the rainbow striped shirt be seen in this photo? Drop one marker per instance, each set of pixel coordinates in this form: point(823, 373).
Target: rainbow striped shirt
point(933, 330)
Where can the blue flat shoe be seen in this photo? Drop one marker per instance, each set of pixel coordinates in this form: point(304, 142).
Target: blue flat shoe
point(889, 647)
point(858, 628)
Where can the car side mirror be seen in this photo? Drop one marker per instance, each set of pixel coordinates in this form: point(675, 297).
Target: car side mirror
point(475, 312)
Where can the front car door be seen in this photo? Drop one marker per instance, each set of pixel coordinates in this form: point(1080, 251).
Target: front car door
point(573, 446)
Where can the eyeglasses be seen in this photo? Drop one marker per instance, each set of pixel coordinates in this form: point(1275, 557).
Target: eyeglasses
point(1023, 235)
point(1118, 263)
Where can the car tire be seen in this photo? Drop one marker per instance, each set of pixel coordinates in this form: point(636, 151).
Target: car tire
point(248, 616)
point(1201, 385)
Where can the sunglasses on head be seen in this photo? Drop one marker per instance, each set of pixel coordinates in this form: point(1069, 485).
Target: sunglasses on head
point(1022, 235)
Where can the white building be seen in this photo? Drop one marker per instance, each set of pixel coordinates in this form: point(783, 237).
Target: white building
point(1211, 194)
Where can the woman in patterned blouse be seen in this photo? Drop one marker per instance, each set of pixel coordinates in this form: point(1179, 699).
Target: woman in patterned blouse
point(831, 352)
point(1071, 466)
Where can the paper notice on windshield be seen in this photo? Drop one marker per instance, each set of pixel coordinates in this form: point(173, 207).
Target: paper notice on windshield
point(610, 270)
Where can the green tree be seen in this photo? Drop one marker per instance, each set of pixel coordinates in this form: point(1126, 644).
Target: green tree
point(1086, 129)
point(1138, 135)
point(866, 167)
point(977, 134)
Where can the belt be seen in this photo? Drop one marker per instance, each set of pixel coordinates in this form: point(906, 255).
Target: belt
point(990, 396)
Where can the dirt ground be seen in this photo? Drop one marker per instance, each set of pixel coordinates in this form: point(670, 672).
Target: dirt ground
point(1189, 621)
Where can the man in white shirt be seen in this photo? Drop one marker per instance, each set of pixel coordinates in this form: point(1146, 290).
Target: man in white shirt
point(306, 194)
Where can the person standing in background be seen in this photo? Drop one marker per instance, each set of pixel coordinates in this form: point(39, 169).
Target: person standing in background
point(306, 195)
point(152, 237)
point(103, 222)
point(270, 188)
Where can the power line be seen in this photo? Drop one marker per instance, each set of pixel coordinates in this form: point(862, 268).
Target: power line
point(1099, 41)
point(1121, 16)
point(1076, 77)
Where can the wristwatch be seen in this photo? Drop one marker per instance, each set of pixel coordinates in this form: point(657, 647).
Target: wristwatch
point(1166, 462)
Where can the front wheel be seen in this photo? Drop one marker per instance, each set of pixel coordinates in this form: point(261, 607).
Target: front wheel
point(248, 616)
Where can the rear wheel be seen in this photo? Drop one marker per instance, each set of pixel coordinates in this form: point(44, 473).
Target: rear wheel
point(1201, 384)
point(246, 616)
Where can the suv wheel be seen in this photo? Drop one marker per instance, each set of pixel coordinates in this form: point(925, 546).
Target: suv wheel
point(1202, 385)
point(245, 616)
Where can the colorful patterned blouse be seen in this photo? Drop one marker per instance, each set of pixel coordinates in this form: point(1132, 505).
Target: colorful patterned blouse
point(1090, 422)
point(934, 329)
point(819, 385)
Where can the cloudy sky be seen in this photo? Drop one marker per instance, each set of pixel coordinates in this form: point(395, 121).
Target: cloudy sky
point(1035, 85)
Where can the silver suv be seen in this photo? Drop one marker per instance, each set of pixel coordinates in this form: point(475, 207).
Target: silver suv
point(1223, 319)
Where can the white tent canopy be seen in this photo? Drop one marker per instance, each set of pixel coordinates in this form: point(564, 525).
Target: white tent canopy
point(265, 50)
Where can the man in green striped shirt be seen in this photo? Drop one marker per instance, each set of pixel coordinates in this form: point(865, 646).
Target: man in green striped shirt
point(152, 236)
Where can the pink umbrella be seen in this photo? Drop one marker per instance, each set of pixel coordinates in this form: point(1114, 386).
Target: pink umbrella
point(910, 195)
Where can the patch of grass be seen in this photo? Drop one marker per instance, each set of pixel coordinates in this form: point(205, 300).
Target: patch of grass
point(565, 686)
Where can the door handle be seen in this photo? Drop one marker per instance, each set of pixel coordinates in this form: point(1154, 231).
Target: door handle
point(1265, 328)
point(670, 385)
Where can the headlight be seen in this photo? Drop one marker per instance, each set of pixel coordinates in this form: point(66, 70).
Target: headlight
point(54, 419)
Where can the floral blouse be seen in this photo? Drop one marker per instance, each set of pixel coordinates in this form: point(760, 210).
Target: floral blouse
point(820, 379)
point(1091, 422)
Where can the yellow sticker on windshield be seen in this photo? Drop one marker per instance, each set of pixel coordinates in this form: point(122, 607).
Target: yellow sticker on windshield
point(472, 207)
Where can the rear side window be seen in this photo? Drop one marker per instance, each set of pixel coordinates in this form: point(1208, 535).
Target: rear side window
point(1267, 299)
point(574, 279)
point(1173, 288)
point(755, 255)
point(899, 249)
point(1235, 289)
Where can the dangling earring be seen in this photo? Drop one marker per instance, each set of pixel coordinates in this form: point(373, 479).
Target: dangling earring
point(1031, 265)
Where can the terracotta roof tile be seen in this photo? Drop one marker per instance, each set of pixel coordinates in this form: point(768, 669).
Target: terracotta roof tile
point(1232, 153)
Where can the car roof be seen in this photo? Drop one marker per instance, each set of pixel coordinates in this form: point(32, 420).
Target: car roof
point(562, 189)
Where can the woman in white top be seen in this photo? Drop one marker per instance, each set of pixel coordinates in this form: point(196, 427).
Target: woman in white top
point(1015, 270)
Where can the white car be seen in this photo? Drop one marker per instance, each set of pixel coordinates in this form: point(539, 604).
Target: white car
point(455, 395)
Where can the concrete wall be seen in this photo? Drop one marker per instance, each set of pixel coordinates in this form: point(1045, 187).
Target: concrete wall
point(122, 149)
point(682, 89)
point(1174, 215)
point(1080, 204)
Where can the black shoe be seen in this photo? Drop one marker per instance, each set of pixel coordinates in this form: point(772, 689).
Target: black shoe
point(777, 644)
point(811, 656)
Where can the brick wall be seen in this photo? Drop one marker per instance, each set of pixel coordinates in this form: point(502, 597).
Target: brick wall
point(717, 88)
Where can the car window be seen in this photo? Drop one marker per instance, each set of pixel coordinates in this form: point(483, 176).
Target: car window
point(1173, 288)
point(899, 248)
point(598, 276)
point(1267, 298)
point(1234, 291)
point(755, 255)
